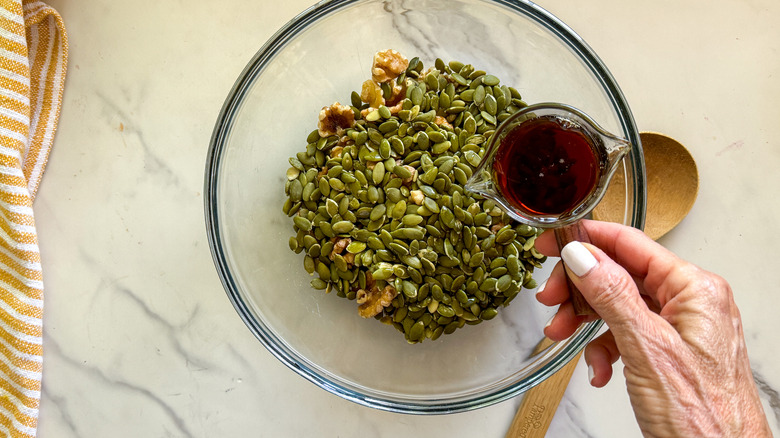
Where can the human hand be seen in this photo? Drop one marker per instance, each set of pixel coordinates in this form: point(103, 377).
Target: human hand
point(676, 327)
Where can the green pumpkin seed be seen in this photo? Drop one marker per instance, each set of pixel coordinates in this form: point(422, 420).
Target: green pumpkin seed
point(416, 332)
point(342, 227)
point(431, 205)
point(491, 106)
point(445, 311)
point(378, 173)
point(302, 223)
point(429, 176)
point(318, 284)
point(356, 247)
point(477, 259)
point(490, 80)
point(378, 212)
point(505, 235)
point(402, 172)
point(411, 220)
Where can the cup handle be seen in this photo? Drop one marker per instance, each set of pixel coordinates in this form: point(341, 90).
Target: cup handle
point(564, 235)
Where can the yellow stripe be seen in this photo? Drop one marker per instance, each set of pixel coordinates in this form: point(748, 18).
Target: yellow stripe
point(20, 344)
point(19, 236)
point(21, 219)
point(20, 306)
point(19, 268)
point(14, 66)
point(14, 28)
point(13, 104)
point(21, 363)
point(18, 285)
point(7, 160)
point(12, 124)
point(13, 180)
point(13, 198)
point(14, 7)
point(14, 432)
point(13, 375)
point(13, 46)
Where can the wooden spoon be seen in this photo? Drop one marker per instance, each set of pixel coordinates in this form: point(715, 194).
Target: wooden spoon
point(672, 185)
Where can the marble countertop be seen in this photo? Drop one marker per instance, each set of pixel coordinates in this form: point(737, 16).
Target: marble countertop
point(139, 336)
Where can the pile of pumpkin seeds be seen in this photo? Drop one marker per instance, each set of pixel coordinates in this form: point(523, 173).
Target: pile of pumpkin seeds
point(395, 190)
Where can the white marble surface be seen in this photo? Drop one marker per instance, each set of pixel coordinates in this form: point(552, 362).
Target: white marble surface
point(139, 337)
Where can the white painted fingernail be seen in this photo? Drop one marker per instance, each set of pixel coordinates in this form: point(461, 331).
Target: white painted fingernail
point(591, 374)
point(540, 289)
point(549, 322)
point(578, 259)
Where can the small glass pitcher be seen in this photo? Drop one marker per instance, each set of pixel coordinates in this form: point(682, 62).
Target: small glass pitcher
point(607, 151)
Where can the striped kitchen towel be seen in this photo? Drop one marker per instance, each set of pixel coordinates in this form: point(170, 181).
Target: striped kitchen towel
point(33, 58)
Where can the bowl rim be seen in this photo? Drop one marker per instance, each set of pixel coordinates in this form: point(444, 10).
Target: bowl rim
point(277, 347)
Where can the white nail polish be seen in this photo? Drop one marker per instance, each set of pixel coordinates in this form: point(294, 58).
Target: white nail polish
point(578, 259)
point(549, 322)
point(591, 374)
point(540, 289)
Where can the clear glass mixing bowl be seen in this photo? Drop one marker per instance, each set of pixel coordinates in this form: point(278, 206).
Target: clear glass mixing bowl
point(319, 58)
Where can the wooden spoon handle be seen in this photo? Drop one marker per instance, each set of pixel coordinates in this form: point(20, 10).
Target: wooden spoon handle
point(564, 235)
point(540, 403)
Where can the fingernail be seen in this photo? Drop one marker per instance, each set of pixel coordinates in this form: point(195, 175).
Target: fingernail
point(540, 289)
point(578, 259)
point(591, 374)
point(549, 322)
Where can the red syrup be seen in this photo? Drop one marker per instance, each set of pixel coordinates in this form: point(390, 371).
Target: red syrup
point(545, 168)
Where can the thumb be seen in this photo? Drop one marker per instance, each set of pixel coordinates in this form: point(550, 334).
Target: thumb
point(608, 288)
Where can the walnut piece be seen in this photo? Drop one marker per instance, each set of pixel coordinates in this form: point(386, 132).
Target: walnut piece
point(339, 245)
point(417, 197)
point(441, 121)
point(335, 119)
point(388, 64)
point(371, 94)
point(413, 177)
point(371, 302)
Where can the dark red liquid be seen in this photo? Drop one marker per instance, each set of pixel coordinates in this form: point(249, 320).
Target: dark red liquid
point(544, 168)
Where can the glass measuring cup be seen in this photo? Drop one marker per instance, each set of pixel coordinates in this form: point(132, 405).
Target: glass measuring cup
point(548, 166)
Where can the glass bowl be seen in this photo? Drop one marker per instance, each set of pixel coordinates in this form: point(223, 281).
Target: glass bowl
point(319, 58)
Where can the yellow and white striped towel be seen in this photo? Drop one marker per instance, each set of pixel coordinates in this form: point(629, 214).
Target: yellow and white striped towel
point(33, 59)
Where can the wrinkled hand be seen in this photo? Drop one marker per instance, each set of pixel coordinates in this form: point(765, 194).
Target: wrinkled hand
point(675, 326)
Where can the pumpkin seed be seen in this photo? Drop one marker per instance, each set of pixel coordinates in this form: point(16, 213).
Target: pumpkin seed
point(342, 227)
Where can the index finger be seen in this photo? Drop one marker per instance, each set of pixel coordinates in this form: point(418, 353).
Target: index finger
point(629, 247)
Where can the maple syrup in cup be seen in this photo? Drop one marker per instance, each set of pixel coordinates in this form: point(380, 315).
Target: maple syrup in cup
point(546, 168)
point(548, 165)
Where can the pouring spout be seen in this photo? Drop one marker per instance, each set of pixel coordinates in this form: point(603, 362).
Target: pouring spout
point(481, 183)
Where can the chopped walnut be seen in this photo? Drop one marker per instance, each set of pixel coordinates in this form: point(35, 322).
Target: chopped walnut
point(417, 197)
point(339, 245)
point(336, 151)
point(441, 121)
point(371, 302)
point(397, 97)
point(371, 94)
point(396, 108)
point(388, 64)
point(412, 178)
point(335, 119)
